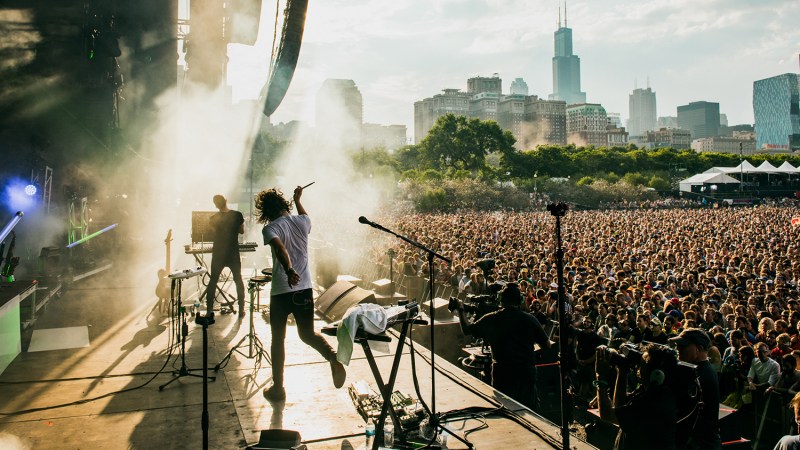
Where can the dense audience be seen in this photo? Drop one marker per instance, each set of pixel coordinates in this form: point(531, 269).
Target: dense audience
point(640, 274)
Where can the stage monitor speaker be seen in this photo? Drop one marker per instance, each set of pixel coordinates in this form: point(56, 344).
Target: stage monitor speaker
point(440, 309)
point(334, 302)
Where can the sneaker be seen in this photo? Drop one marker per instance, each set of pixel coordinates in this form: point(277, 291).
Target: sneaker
point(338, 373)
point(275, 393)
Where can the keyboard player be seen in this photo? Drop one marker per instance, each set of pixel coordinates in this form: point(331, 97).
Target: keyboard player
point(226, 226)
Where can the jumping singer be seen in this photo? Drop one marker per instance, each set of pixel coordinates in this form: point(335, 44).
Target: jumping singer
point(287, 236)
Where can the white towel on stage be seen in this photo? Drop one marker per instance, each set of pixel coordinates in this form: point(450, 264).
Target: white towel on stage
point(369, 316)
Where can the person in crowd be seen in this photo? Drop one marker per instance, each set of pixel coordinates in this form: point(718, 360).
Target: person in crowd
point(693, 345)
point(792, 442)
point(635, 412)
point(586, 341)
point(657, 332)
point(783, 346)
point(789, 381)
point(764, 371)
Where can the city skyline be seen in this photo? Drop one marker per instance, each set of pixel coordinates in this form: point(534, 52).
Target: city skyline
point(400, 53)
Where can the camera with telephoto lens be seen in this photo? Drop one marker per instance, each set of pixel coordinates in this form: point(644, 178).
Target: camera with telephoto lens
point(628, 356)
point(558, 209)
point(479, 305)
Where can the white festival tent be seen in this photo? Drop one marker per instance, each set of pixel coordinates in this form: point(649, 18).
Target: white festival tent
point(721, 175)
point(788, 168)
point(706, 178)
point(765, 167)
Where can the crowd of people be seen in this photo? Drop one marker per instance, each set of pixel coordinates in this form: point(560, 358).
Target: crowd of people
point(639, 275)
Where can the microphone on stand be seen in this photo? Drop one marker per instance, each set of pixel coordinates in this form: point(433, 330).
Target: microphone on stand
point(366, 221)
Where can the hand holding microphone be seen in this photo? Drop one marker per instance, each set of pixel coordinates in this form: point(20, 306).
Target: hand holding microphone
point(298, 191)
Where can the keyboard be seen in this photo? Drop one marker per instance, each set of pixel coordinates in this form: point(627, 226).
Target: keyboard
point(195, 249)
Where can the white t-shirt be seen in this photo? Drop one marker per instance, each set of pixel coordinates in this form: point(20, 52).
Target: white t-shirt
point(293, 231)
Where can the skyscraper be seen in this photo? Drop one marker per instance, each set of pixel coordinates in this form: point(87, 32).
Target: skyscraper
point(340, 112)
point(566, 67)
point(701, 119)
point(451, 101)
point(776, 108)
point(478, 85)
point(587, 125)
point(519, 87)
point(641, 112)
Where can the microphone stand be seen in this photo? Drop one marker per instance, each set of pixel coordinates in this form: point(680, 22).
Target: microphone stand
point(559, 210)
point(434, 420)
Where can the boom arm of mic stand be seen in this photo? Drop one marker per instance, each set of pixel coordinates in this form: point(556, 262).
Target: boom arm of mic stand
point(410, 241)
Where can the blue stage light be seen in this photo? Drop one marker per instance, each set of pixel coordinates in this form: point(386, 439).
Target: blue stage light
point(30, 190)
point(15, 196)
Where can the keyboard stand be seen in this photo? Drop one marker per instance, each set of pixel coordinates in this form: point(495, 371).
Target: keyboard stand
point(386, 389)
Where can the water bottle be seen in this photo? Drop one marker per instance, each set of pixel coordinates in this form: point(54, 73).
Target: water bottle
point(369, 432)
point(388, 435)
point(196, 307)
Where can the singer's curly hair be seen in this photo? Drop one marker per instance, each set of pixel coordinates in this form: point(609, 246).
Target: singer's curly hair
point(270, 204)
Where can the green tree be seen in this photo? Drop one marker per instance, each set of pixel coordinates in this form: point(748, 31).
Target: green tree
point(659, 183)
point(457, 142)
point(634, 179)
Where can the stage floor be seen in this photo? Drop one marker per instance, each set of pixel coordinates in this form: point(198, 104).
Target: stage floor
point(128, 345)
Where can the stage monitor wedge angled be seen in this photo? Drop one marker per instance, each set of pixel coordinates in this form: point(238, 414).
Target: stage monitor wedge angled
point(334, 302)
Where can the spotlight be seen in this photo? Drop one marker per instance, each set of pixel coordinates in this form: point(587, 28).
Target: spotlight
point(16, 195)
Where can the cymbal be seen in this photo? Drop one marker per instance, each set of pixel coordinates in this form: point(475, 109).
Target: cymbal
point(267, 271)
point(264, 279)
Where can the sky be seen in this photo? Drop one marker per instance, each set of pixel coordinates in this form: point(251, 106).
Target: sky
point(401, 52)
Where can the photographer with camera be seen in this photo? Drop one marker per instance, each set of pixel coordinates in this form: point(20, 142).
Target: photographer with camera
point(653, 401)
point(511, 334)
point(693, 345)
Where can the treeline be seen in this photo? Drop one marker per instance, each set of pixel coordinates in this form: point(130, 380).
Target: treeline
point(469, 163)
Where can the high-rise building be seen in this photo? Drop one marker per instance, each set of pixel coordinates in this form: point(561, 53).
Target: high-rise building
point(587, 125)
point(532, 121)
point(667, 122)
point(617, 136)
point(450, 101)
point(545, 122)
point(483, 105)
point(667, 137)
point(701, 119)
point(614, 119)
point(641, 111)
point(511, 113)
point(566, 67)
point(477, 85)
point(340, 112)
point(744, 146)
point(776, 108)
point(519, 87)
